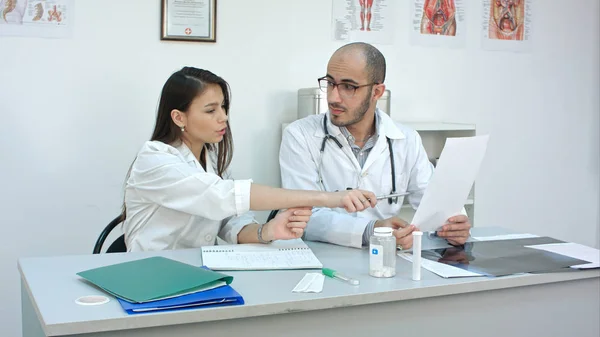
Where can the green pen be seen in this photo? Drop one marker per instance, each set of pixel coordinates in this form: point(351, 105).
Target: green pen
point(334, 274)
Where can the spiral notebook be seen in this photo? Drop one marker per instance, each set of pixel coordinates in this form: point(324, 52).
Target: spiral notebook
point(284, 254)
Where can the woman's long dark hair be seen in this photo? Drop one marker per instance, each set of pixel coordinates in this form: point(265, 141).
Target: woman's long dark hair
point(178, 93)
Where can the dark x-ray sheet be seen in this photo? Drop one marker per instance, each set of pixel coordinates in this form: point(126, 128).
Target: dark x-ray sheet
point(503, 257)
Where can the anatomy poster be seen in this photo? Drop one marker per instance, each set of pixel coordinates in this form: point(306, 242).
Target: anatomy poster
point(506, 25)
point(363, 20)
point(438, 23)
point(38, 18)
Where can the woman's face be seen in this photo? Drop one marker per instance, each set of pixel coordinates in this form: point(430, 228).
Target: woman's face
point(206, 121)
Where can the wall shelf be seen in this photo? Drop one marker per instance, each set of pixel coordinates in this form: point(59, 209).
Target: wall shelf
point(467, 203)
point(438, 126)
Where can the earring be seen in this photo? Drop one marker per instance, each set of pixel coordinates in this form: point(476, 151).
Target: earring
point(183, 128)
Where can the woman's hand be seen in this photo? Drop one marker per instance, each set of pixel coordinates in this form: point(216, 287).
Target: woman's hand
point(351, 200)
point(287, 225)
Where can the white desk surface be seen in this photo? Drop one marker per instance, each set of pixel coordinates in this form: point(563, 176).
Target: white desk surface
point(53, 286)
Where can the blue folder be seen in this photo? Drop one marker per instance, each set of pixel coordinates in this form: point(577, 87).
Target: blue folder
point(217, 297)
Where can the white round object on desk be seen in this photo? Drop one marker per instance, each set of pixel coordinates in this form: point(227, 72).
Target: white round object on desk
point(92, 300)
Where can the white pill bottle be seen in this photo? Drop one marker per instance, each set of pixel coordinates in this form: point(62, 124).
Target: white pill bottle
point(382, 253)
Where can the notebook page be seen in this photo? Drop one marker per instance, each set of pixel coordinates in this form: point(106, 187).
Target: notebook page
point(278, 255)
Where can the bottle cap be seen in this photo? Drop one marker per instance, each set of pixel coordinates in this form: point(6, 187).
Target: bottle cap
point(383, 231)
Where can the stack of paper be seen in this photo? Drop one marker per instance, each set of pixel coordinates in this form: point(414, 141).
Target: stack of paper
point(505, 237)
point(574, 250)
point(441, 269)
point(158, 283)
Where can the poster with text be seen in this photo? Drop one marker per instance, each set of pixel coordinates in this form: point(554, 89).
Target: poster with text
point(368, 21)
point(36, 18)
point(438, 23)
point(507, 25)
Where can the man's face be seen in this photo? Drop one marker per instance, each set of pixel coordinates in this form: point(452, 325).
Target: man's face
point(348, 104)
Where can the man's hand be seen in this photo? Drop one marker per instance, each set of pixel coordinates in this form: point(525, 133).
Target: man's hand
point(402, 231)
point(456, 230)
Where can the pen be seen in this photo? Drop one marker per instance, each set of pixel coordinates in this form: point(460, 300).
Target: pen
point(334, 274)
point(392, 195)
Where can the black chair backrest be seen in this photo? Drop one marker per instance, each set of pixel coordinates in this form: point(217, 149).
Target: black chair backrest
point(117, 246)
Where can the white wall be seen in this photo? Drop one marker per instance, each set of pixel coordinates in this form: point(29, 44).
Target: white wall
point(74, 118)
point(543, 177)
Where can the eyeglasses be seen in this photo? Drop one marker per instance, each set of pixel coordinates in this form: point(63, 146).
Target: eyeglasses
point(346, 90)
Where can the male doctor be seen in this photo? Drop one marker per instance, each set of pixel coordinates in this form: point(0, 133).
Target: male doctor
point(353, 145)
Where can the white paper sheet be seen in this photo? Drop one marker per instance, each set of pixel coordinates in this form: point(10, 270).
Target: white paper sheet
point(310, 283)
point(441, 269)
point(505, 237)
point(451, 183)
point(574, 250)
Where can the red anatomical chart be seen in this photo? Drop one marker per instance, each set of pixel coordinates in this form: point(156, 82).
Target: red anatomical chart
point(439, 17)
point(438, 23)
point(507, 25)
point(507, 19)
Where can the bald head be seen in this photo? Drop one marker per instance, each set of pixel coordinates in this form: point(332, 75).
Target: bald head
point(372, 57)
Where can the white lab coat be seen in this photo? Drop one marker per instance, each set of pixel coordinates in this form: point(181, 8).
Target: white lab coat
point(299, 156)
point(173, 203)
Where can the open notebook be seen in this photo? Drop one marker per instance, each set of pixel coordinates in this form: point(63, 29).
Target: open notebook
point(284, 254)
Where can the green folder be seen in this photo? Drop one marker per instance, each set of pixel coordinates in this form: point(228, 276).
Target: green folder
point(153, 278)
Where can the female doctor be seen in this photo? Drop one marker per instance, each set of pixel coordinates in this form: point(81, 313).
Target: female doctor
point(179, 192)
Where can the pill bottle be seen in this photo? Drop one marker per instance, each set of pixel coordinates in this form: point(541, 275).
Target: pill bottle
point(382, 253)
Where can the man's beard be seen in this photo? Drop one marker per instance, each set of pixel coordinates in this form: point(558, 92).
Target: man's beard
point(357, 116)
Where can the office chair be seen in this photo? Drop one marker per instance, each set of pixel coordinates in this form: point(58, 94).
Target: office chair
point(118, 246)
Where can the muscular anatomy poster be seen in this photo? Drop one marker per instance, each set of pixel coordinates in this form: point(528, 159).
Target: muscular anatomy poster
point(363, 20)
point(438, 23)
point(507, 25)
point(39, 18)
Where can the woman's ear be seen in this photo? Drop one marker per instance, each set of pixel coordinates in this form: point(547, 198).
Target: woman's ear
point(178, 117)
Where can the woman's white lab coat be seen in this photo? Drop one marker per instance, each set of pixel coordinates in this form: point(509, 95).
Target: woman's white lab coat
point(300, 155)
point(173, 203)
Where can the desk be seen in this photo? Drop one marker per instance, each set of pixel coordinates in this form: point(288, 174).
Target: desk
point(555, 304)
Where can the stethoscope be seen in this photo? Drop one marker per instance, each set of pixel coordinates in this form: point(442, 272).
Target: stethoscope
point(337, 142)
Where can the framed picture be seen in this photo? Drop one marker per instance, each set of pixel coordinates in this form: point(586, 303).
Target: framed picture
point(189, 20)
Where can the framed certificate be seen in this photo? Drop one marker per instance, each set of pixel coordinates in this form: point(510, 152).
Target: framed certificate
point(189, 20)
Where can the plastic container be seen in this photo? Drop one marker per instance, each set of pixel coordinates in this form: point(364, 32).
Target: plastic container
point(416, 260)
point(382, 251)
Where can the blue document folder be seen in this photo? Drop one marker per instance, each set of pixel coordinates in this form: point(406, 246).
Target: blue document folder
point(217, 297)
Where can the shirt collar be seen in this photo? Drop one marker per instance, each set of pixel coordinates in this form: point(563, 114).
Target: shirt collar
point(189, 157)
point(351, 138)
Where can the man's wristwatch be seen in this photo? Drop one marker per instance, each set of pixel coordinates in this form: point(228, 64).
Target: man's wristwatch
point(260, 239)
